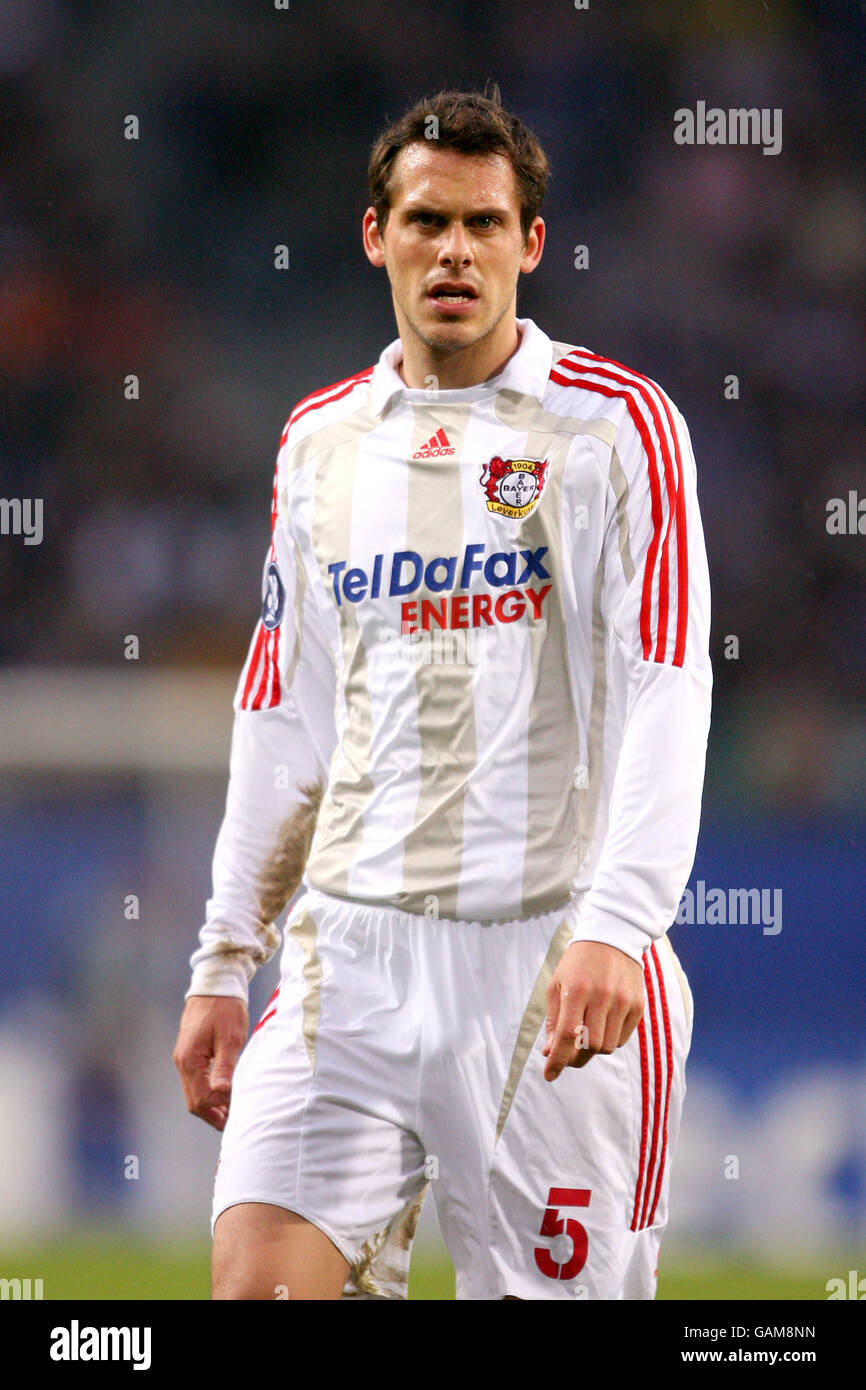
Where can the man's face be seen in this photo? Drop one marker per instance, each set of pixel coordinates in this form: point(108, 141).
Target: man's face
point(454, 220)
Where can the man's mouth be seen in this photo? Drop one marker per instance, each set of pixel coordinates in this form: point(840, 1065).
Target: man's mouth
point(453, 294)
point(451, 299)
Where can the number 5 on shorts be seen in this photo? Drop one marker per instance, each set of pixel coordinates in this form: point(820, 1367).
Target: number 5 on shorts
point(552, 1225)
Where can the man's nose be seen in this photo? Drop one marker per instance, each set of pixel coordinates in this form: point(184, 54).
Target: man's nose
point(455, 248)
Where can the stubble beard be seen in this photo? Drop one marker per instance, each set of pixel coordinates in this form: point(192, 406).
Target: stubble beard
point(444, 349)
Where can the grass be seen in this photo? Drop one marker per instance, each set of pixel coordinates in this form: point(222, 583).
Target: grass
point(110, 1266)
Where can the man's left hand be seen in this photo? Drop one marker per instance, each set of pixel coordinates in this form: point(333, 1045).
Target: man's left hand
point(594, 1003)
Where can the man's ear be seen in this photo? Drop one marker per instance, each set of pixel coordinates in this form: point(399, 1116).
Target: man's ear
point(374, 247)
point(533, 246)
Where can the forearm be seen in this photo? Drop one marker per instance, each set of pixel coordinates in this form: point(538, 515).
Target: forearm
point(654, 813)
point(271, 805)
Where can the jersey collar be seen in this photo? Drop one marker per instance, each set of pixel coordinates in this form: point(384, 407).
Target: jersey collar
point(526, 372)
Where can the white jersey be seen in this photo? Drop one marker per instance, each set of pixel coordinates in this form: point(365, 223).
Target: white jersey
point(484, 635)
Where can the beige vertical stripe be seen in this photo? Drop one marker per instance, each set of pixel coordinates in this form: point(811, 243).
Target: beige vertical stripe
point(341, 818)
point(305, 933)
point(588, 796)
point(533, 1017)
point(619, 483)
point(553, 750)
point(433, 848)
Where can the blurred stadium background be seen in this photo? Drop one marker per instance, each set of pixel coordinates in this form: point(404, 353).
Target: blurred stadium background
point(155, 257)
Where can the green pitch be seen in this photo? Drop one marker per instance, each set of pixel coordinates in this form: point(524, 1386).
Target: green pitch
point(126, 1267)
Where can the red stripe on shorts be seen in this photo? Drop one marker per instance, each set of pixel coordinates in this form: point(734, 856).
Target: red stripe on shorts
point(644, 1119)
point(669, 1057)
point(657, 1086)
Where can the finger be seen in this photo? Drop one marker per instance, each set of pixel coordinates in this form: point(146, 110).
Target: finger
point(195, 1076)
point(606, 1030)
point(609, 1028)
point(632, 1019)
point(567, 1039)
point(220, 1089)
point(215, 1115)
point(614, 1029)
point(595, 1033)
point(553, 1002)
point(204, 1103)
point(187, 1094)
point(223, 1068)
point(563, 1051)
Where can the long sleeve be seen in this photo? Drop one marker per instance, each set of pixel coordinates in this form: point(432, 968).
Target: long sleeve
point(656, 612)
point(282, 741)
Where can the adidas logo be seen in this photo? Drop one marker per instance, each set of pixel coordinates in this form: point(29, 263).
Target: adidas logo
point(436, 446)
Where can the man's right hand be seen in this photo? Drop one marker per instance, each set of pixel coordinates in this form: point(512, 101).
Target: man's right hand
point(213, 1030)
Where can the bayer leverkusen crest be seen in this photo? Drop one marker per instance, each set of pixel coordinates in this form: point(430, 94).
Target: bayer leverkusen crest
point(513, 486)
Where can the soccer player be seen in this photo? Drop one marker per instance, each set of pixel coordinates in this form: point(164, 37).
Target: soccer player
point(471, 728)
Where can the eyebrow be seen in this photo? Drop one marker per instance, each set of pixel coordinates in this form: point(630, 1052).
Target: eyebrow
point(493, 210)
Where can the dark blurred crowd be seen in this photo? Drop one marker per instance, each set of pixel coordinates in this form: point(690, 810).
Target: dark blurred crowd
point(154, 257)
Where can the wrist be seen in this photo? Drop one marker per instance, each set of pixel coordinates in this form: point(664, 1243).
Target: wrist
point(225, 975)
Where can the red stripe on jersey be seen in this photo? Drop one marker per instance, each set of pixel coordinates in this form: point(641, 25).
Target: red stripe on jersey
point(676, 499)
point(275, 681)
point(680, 510)
point(634, 379)
point(324, 396)
point(644, 1119)
point(679, 506)
point(443, 438)
point(656, 506)
point(657, 1086)
point(253, 666)
point(669, 1058)
point(266, 670)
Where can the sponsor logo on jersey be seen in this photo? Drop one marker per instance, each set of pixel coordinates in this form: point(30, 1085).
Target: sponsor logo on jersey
point(513, 571)
point(513, 486)
point(437, 445)
point(275, 598)
point(408, 572)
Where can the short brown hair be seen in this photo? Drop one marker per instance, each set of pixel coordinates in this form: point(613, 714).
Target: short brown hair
point(472, 123)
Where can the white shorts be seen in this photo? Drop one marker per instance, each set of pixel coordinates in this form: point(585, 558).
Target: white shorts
point(403, 1052)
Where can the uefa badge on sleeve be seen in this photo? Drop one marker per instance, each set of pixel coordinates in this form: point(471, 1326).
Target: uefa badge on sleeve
point(513, 486)
point(274, 600)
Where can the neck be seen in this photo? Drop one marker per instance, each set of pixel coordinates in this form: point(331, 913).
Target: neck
point(455, 368)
